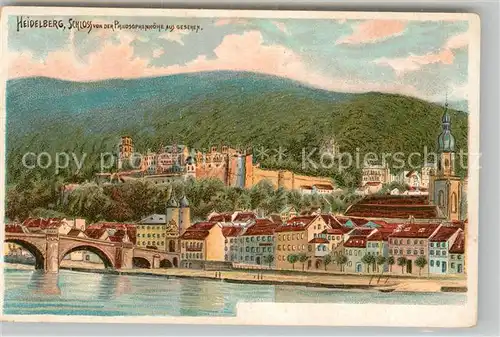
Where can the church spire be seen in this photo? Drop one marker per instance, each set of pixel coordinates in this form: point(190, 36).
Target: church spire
point(446, 141)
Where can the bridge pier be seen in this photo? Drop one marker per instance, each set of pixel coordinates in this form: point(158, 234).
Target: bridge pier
point(156, 262)
point(125, 255)
point(52, 251)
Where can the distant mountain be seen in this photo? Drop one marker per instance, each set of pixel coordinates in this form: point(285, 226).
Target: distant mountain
point(203, 109)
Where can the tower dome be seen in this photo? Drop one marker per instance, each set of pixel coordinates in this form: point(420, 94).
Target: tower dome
point(183, 203)
point(446, 141)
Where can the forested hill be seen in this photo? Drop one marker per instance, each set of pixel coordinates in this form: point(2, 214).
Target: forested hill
point(203, 109)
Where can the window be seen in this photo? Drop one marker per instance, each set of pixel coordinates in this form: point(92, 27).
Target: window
point(258, 250)
point(247, 240)
point(288, 237)
point(421, 252)
point(252, 239)
point(452, 257)
point(349, 264)
point(408, 241)
point(269, 238)
point(258, 238)
point(415, 242)
point(288, 247)
point(279, 237)
point(324, 248)
point(452, 265)
point(443, 244)
point(293, 247)
point(459, 257)
point(408, 251)
point(253, 249)
point(454, 202)
point(438, 252)
point(303, 247)
point(247, 249)
point(293, 236)
point(310, 248)
point(183, 245)
point(432, 263)
point(441, 198)
point(279, 247)
point(431, 252)
point(438, 263)
point(355, 252)
point(443, 253)
point(390, 251)
point(350, 252)
point(421, 242)
point(415, 252)
point(319, 248)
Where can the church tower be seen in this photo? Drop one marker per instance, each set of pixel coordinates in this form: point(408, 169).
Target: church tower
point(445, 187)
point(172, 224)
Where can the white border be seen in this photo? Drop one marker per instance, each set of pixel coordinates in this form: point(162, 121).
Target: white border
point(296, 313)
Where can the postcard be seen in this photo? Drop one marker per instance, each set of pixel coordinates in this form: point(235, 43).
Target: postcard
point(239, 167)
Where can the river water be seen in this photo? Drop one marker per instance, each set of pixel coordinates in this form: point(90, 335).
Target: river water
point(30, 292)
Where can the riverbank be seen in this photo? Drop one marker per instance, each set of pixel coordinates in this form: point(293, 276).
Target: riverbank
point(384, 283)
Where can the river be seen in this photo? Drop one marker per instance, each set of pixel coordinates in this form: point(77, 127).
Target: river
point(30, 292)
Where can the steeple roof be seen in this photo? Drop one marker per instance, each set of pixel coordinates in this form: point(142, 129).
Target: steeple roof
point(446, 141)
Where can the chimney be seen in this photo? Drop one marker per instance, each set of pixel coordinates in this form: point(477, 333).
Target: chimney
point(411, 219)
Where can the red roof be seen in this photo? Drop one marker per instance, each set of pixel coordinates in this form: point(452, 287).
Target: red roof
point(336, 231)
point(261, 228)
point(361, 231)
point(205, 225)
point(74, 232)
point(443, 234)
point(319, 240)
point(458, 246)
point(195, 235)
point(331, 220)
point(355, 242)
point(297, 223)
point(222, 217)
point(244, 216)
point(394, 211)
point(231, 231)
point(394, 200)
point(415, 231)
point(43, 223)
point(379, 235)
point(95, 231)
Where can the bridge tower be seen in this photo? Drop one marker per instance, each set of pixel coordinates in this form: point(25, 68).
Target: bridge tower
point(184, 215)
point(52, 251)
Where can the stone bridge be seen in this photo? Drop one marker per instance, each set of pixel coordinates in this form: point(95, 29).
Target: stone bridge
point(50, 249)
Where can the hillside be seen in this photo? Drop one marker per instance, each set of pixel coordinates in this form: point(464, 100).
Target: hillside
point(240, 109)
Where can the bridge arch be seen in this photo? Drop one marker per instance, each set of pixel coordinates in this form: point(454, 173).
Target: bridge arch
point(107, 260)
point(141, 262)
point(165, 263)
point(34, 250)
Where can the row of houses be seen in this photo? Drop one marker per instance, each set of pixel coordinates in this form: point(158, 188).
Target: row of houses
point(327, 242)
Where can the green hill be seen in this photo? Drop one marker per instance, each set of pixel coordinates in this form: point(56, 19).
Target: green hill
point(200, 110)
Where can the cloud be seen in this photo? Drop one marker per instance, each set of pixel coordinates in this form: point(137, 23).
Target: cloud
point(281, 26)
point(445, 56)
point(373, 31)
point(458, 41)
point(175, 36)
point(236, 52)
point(158, 52)
point(415, 62)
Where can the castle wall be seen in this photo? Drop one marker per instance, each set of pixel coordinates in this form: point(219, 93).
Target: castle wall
point(285, 179)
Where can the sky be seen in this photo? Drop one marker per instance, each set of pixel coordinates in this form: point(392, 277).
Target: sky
point(425, 59)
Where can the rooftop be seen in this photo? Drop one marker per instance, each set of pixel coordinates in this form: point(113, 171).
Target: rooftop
point(443, 234)
point(319, 240)
point(355, 242)
point(458, 246)
point(422, 230)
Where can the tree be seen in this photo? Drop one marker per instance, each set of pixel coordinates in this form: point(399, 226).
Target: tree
point(381, 260)
point(327, 260)
point(292, 258)
point(269, 259)
point(341, 260)
point(368, 260)
point(390, 262)
point(420, 262)
point(303, 258)
point(402, 263)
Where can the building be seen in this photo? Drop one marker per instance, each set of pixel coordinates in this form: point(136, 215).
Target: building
point(287, 213)
point(355, 248)
point(396, 208)
point(446, 188)
point(162, 231)
point(377, 245)
point(293, 238)
point(41, 225)
point(375, 174)
point(457, 255)
point(256, 243)
point(411, 241)
point(203, 241)
point(370, 187)
point(440, 244)
point(126, 149)
point(231, 246)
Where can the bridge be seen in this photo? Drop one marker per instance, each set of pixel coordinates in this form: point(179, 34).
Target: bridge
point(49, 250)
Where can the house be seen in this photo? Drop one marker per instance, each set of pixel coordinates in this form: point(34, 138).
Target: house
point(377, 245)
point(370, 187)
point(322, 189)
point(355, 249)
point(256, 242)
point(411, 241)
point(112, 231)
point(231, 234)
point(41, 225)
point(203, 241)
point(220, 217)
point(293, 237)
point(317, 249)
point(439, 245)
point(457, 254)
point(240, 218)
point(287, 213)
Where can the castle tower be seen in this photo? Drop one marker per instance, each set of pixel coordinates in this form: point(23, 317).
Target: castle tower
point(184, 215)
point(126, 148)
point(446, 188)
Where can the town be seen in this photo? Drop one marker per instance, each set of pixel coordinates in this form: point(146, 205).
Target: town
point(418, 231)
